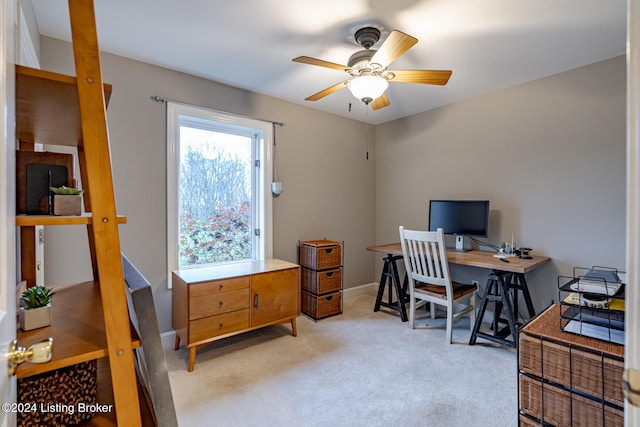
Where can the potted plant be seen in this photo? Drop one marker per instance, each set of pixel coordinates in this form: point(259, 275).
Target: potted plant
point(66, 200)
point(35, 310)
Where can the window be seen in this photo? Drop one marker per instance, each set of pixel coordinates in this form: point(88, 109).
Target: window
point(218, 188)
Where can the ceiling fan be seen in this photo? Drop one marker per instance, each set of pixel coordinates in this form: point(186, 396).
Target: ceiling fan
point(368, 67)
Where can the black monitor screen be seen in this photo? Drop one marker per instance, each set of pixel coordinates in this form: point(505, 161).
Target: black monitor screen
point(461, 217)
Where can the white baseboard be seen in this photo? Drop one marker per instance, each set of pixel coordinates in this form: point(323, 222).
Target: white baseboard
point(367, 288)
point(168, 340)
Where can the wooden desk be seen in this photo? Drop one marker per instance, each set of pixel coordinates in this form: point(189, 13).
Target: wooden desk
point(504, 277)
point(480, 259)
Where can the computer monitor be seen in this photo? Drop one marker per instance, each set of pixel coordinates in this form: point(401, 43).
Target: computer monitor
point(460, 218)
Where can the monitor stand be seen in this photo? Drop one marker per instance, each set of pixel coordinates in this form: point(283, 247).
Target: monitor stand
point(460, 244)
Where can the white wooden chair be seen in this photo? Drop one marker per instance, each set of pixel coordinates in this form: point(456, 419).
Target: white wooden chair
point(425, 259)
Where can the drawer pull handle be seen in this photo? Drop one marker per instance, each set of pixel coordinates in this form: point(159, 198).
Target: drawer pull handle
point(220, 288)
point(221, 326)
point(221, 303)
point(329, 298)
point(255, 300)
point(329, 250)
point(330, 274)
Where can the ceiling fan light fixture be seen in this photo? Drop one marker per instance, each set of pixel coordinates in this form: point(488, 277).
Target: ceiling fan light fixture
point(368, 88)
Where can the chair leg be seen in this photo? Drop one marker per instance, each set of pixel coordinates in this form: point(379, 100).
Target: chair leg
point(433, 310)
point(412, 311)
point(449, 324)
point(472, 313)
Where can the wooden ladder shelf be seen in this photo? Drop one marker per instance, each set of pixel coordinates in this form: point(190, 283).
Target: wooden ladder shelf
point(43, 98)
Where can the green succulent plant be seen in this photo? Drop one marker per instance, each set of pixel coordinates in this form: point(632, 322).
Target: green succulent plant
point(66, 190)
point(37, 296)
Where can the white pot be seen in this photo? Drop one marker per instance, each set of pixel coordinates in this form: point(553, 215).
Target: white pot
point(35, 317)
point(67, 204)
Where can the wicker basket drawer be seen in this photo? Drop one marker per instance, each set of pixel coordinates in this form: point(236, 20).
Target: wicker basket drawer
point(320, 254)
point(556, 360)
point(321, 282)
point(213, 326)
point(586, 373)
point(573, 367)
point(218, 303)
point(613, 381)
point(559, 407)
point(527, 422)
point(530, 355)
point(613, 417)
point(554, 409)
point(319, 306)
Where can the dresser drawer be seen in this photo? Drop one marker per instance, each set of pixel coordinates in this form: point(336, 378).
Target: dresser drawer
point(209, 327)
point(214, 286)
point(218, 303)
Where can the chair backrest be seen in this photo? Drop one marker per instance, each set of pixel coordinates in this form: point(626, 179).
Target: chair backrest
point(425, 256)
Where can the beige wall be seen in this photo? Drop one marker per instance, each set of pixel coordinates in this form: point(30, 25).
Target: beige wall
point(549, 155)
point(328, 182)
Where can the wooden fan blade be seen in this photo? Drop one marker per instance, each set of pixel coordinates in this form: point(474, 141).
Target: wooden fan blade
point(327, 91)
point(321, 63)
point(430, 77)
point(380, 102)
point(393, 47)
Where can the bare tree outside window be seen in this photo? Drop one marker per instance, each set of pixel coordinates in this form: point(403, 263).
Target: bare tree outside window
point(214, 197)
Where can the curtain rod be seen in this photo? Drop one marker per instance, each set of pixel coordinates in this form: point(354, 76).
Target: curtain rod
point(165, 100)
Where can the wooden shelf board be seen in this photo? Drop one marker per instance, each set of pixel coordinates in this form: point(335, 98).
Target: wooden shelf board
point(77, 330)
point(84, 219)
point(41, 96)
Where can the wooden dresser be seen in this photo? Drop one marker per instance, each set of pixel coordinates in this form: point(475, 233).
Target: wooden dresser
point(212, 303)
point(567, 379)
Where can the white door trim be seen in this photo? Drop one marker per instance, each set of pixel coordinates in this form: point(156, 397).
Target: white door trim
point(8, 25)
point(632, 321)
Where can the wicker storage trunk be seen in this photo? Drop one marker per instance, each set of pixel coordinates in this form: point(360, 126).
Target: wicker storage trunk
point(567, 379)
point(321, 278)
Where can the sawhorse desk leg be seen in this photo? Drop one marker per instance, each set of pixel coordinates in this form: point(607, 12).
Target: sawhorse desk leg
point(390, 276)
point(520, 284)
point(497, 291)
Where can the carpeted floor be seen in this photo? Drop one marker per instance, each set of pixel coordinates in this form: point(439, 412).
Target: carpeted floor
point(357, 369)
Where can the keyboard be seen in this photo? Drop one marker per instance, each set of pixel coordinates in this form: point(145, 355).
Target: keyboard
point(596, 287)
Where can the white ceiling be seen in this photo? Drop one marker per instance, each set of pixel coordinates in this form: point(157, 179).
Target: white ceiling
point(489, 44)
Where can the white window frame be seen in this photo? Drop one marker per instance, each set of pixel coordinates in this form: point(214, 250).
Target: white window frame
point(264, 208)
